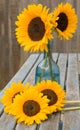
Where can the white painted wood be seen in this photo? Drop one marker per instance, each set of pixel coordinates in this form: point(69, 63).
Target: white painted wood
point(71, 119)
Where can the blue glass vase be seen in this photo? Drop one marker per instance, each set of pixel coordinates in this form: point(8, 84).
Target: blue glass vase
point(47, 69)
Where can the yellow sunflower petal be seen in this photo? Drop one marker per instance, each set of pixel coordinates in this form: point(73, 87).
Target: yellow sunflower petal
point(54, 93)
point(10, 94)
point(31, 107)
point(65, 20)
point(34, 28)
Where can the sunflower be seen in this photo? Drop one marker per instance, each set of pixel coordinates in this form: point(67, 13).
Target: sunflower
point(54, 93)
point(10, 94)
point(31, 107)
point(66, 20)
point(34, 28)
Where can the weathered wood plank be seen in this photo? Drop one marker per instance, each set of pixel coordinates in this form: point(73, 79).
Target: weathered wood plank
point(71, 119)
point(62, 62)
point(79, 64)
point(23, 72)
point(7, 122)
point(25, 127)
point(50, 124)
point(78, 57)
point(72, 83)
point(55, 56)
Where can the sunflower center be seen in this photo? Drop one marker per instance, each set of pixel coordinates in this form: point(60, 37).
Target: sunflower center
point(51, 95)
point(15, 95)
point(62, 22)
point(36, 29)
point(31, 108)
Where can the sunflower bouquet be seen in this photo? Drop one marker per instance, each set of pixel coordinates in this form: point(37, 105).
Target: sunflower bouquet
point(35, 32)
point(35, 29)
point(35, 25)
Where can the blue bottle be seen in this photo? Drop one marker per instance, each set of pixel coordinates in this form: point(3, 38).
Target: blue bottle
point(47, 69)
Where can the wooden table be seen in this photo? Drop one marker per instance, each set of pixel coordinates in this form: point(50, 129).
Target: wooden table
point(69, 76)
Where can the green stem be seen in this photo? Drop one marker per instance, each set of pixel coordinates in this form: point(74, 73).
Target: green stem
point(38, 80)
point(71, 108)
point(47, 58)
point(43, 70)
point(50, 63)
point(37, 127)
point(73, 102)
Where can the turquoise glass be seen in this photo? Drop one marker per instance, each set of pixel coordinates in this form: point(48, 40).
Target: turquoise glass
point(47, 68)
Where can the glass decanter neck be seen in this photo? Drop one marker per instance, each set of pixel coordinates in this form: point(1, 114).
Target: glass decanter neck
point(50, 48)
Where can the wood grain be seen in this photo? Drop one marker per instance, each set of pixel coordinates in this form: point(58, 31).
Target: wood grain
point(62, 62)
point(71, 119)
point(7, 122)
point(25, 127)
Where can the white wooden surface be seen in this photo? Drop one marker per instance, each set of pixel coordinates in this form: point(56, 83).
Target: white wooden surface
point(69, 76)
